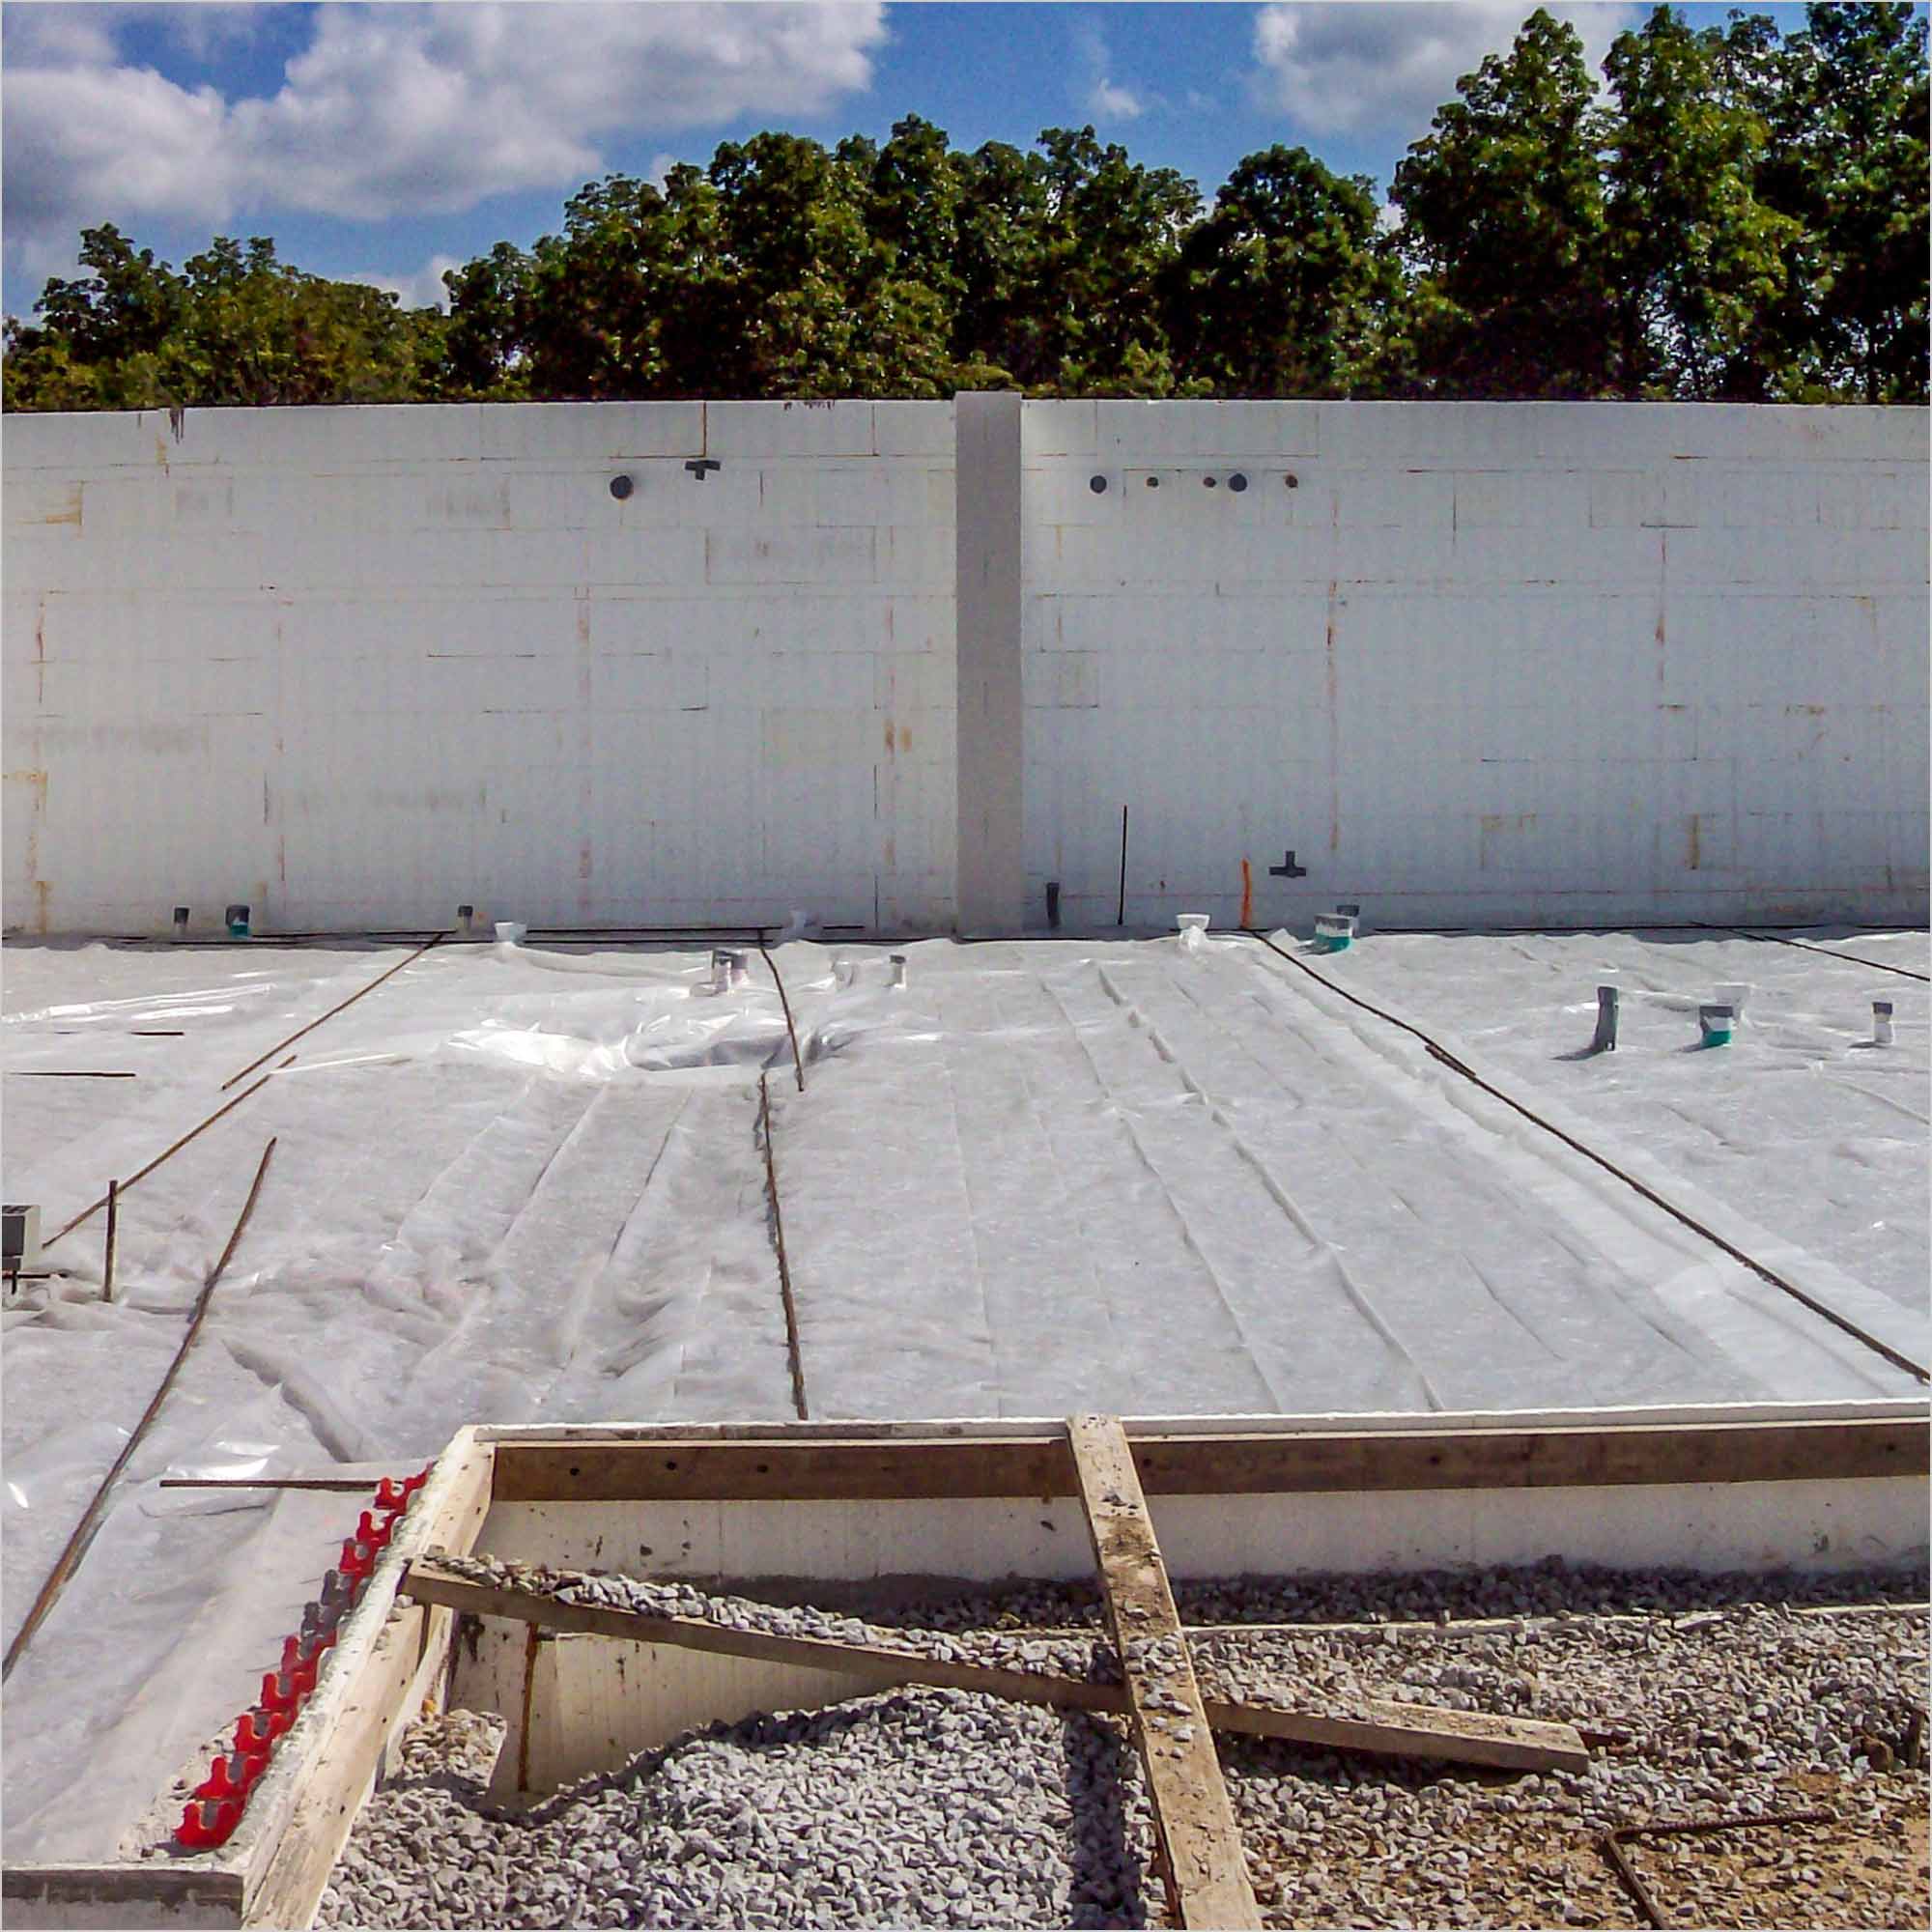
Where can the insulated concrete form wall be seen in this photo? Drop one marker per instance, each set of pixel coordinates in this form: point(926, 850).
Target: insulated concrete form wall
point(1474, 663)
point(1470, 663)
point(357, 666)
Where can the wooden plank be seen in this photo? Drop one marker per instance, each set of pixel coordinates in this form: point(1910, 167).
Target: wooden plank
point(1210, 1462)
point(429, 1583)
point(1193, 1816)
point(1415, 1731)
point(120, 1895)
point(322, 1780)
point(1401, 1730)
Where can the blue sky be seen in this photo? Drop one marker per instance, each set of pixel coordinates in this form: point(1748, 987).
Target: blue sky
point(385, 142)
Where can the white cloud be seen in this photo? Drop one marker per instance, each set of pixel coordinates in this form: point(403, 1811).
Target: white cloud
point(1107, 101)
point(1105, 98)
point(423, 289)
point(1385, 68)
point(398, 109)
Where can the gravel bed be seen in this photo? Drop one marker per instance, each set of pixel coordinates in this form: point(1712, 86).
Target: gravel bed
point(920, 1807)
point(940, 1807)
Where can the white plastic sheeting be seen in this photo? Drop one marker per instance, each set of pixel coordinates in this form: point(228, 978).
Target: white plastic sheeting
point(1802, 1123)
point(525, 1184)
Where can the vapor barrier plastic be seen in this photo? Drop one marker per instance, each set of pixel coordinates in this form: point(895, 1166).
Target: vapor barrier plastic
point(1802, 1123)
point(524, 1183)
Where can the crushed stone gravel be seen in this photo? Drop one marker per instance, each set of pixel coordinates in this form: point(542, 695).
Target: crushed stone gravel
point(943, 1807)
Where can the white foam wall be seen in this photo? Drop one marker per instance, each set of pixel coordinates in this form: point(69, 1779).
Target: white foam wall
point(1509, 662)
point(357, 666)
point(1484, 663)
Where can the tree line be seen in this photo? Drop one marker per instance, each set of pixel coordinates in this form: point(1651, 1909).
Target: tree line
point(1736, 215)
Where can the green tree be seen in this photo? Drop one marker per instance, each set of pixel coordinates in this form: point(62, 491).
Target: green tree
point(1111, 234)
point(1503, 225)
point(1845, 103)
point(485, 352)
point(234, 326)
point(255, 330)
point(1698, 263)
point(1284, 289)
point(997, 328)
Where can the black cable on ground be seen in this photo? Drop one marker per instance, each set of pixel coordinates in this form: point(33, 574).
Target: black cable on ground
point(1805, 946)
point(1696, 1227)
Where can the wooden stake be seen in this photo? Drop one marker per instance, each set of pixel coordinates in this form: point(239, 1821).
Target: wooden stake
point(1193, 1816)
point(113, 1226)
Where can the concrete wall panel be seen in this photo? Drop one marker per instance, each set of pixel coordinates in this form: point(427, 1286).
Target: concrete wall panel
point(1521, 662)
point(357, 666)
point(1468, 662)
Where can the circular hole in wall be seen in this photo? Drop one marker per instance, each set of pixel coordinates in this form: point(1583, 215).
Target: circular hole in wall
point(1097, 484)
point(1237, 482)
point(622, 486)
point(1293, 482)
point(1209, 481)
point(1154, 482)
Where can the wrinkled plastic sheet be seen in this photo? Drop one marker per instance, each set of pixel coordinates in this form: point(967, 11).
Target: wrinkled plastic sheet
point(525, 1184)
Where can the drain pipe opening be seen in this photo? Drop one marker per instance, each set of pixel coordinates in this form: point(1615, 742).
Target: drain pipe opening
point(1605, 1038)
point(1715, 1024)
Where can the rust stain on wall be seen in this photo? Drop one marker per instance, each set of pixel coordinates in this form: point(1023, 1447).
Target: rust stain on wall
point(36, 783)
point(1496, 825)
point(70, 509)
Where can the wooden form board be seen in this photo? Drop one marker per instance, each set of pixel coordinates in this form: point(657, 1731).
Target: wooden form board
point(273, 1870)
point(1199, 1845)
point(596, 1467)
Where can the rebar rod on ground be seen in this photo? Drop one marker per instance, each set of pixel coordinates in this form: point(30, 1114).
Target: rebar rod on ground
point(798, 1064)
point(68, 1561)
point(167, 1152)
point(362, 993)
point(792, 1351)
